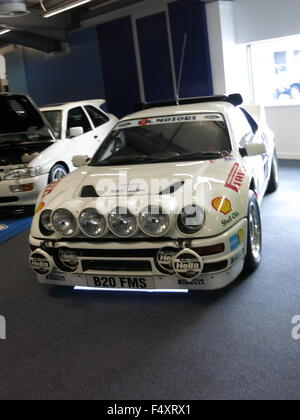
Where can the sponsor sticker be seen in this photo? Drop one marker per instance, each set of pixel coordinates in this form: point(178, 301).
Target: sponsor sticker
point(144, 122)
point(237, 239)
point(231, 219)
point(39, 207)
point(50, 188)
point(235, 178)
point(3, 227)
point(197, 282)
point(55, 277)
point(238, 256)
point(188, 265)
point(171, 119)
point(222, 205)
point(165, 258)
point(41, 262)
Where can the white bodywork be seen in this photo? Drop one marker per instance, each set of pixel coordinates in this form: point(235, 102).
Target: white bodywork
point(229, 178)
point(60, 152)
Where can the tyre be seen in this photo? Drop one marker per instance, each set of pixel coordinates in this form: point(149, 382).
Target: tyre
point(254, 244)
point(274, 178)
point(57, 172)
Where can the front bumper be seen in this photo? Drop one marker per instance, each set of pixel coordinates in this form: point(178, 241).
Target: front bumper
point(124, 263)
point(10, 200)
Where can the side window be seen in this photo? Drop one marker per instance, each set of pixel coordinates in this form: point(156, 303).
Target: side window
point(96, 116)
point(77, 118)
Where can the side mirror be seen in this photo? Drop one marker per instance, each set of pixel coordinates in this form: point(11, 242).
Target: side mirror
point(254, 149)
point(79, 161)
point(76, 132)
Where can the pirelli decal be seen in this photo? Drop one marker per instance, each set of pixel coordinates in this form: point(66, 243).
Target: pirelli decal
point(235, 178)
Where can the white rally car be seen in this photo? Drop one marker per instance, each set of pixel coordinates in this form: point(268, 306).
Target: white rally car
point(171, 200)
point(32, 155)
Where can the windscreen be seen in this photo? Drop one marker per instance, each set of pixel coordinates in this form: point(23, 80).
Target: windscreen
point(55, 121)
point(161, 139)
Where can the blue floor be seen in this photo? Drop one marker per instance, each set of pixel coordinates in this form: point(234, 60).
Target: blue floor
point(11, 228)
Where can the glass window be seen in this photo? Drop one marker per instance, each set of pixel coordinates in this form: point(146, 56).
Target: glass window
point(55, 121)
point(276, 71)
point(96, 116)
point(165, 139)
point(77, 118)
point(243, 130)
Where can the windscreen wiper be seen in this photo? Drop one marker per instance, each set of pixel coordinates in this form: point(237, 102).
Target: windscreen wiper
point(136, 159)
point(195, 156)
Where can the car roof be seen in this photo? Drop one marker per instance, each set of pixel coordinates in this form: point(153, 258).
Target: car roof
point(203, 107)
point(68, 105)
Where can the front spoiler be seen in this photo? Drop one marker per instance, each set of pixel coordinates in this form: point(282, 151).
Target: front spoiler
point(233, 255)
point(204, 282)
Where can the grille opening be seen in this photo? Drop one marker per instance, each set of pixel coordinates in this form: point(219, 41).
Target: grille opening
point(113, 266)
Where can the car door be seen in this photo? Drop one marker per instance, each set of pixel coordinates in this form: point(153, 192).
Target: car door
point(87, 143)
point(101, 121)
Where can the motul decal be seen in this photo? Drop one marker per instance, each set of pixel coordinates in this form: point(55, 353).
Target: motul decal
point(235, 178)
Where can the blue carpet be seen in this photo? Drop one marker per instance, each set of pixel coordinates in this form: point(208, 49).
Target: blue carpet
point(11, 228)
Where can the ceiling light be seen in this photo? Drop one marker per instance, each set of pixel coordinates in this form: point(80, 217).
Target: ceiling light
point(65, 8)
point(13, 8)
point(4, 31)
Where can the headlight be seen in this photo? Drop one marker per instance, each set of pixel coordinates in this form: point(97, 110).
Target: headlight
point(153, 222)
point(23, 173)
point(92, 223)
point(122, 223)
point(191, 219)
point(45, 223)
point(64, 222)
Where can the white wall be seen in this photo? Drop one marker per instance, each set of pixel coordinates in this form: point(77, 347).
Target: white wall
point(257, 20)
point(232, 25)
point(284, 121)
point(229, 60)
point(2, 67)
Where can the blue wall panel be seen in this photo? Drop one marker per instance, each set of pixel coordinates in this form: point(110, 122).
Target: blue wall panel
point(16, 71)
point(155, 57)
point(73, 76)
point(119, 66)
point(189, 17)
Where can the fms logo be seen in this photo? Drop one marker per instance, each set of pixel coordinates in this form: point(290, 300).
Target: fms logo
point(2, 328)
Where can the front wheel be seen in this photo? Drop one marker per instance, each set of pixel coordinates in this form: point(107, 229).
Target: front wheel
point(57, 172)
point(254, 244)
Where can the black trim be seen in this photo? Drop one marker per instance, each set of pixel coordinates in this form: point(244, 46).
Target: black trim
point(4, 200)
point(234, 99)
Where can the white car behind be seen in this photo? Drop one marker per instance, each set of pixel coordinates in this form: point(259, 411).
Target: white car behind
point(36, 151)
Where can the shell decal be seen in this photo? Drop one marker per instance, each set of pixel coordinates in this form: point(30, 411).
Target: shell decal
point(222, 205)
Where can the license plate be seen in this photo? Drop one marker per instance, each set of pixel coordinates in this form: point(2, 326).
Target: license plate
point(111, 282)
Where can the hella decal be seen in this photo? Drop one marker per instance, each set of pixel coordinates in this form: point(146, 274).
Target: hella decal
point(222, 205)
point(188, 265)
point(41, 262)
point(235, 178)
point(165, 258)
